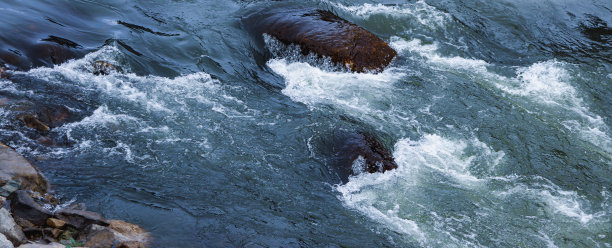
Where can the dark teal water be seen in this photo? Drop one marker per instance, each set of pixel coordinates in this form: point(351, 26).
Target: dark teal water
point(497, 113)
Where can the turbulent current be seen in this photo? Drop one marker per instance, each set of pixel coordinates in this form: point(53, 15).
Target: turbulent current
point(498, 114)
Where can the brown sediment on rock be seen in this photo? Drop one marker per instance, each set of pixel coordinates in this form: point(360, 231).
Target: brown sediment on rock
point(72, 226)
point(325, 34)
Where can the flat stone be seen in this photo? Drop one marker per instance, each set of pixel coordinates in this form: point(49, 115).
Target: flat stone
point(9, 228)
point(14, 167)
point(24, 207)
point(125, 232)
point(4, 242)
point(55, 223)
point(80, 219)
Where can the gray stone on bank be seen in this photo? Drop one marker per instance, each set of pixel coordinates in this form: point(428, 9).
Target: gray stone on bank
point(4, 242)
point(9, 228)
point(17, 173)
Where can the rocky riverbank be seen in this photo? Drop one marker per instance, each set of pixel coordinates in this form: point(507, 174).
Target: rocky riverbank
point(31, 216)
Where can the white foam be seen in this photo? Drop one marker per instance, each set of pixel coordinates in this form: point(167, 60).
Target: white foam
point(546, 83)
point(419, 10)
point(557, 200)
point(359, 94)
point(381, 197)
point(153, 92)
point(429, 52)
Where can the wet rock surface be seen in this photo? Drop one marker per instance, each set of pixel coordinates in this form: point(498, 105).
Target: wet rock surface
point(17, 173)
point(54, 225)
point(325, 34)
point(351, 153)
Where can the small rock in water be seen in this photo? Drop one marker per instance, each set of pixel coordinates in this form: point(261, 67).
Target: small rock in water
point(345, 148)
point(105, 68)
point(2, 73)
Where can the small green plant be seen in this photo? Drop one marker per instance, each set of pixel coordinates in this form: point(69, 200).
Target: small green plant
point(73, 243)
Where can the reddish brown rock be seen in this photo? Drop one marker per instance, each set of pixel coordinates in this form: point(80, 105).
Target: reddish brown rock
point(2, 73)
point(325, 34)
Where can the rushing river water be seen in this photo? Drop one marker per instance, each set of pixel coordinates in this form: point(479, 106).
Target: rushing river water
point(498, 114)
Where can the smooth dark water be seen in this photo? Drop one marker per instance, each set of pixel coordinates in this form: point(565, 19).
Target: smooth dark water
point(497, 113)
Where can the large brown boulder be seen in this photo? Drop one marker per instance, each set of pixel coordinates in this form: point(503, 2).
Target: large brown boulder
point(17, 170)
point(325, 34)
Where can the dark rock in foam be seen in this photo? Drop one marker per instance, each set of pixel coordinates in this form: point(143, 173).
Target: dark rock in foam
point(325, 34)
point(351, 153)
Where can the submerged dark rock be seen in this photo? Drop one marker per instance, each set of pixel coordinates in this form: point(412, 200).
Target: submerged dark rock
point(41, 53)
point(325, 34)
point(352, 153)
